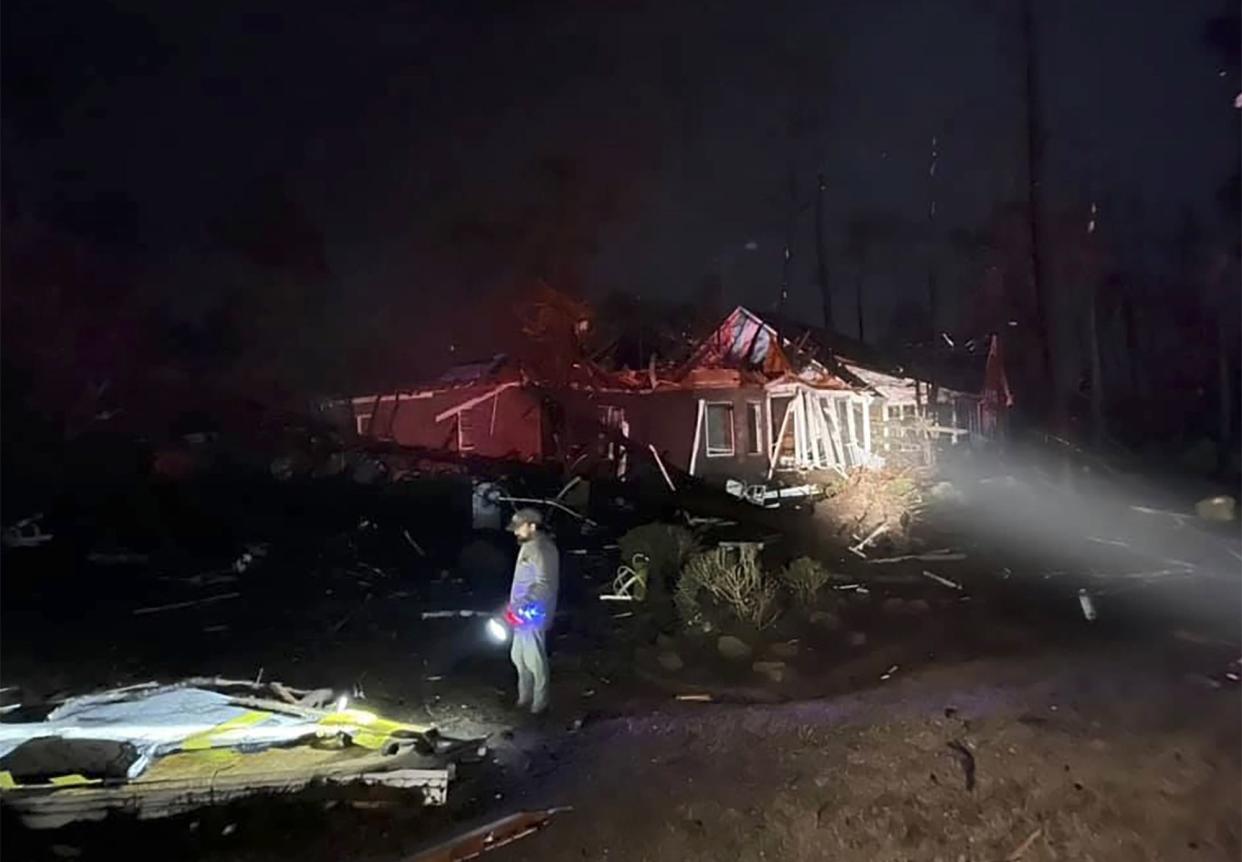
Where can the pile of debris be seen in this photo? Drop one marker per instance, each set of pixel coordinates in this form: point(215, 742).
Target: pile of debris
point(159, 750)
point(873, 507)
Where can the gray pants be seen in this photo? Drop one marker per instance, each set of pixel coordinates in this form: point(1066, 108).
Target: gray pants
point(531, 661)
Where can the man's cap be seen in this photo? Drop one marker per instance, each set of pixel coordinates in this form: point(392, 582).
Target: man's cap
point(526, 515)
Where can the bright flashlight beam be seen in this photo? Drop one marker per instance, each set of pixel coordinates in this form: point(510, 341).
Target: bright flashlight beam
point(497, 630)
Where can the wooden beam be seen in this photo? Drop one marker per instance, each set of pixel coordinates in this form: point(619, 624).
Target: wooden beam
point(780, 438)
point(474, 402)
point(698, 436)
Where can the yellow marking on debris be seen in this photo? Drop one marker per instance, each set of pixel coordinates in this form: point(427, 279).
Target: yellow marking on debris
point(71, 780)
point(6, 780)
point(372, 731)
point(200, 741)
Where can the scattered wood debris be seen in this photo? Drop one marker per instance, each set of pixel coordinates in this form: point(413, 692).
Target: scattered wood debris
point(953, 585)
point(1025, 845)
point(498, 833)
point(179, 605)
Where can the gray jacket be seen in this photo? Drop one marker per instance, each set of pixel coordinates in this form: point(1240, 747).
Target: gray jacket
point(536, 576)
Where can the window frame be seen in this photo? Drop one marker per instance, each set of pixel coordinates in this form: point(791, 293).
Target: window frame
point(707, 437)
point(754, 427)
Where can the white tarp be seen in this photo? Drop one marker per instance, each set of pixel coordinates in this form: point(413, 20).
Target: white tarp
point(158, 723)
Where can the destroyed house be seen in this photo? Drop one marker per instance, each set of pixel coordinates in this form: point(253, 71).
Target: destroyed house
point(919, 398)
point(746, 402)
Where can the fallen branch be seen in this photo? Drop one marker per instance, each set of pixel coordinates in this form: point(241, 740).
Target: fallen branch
point(568, 487)
point(943, 581)
point(178, 605)
point(1180, 517)
point(498, 833)
point(930, 557)
point(413, 544)
point(660, 463)
point(1024, 846)
point(858, 549)
point(553, 503)
point(474, 402)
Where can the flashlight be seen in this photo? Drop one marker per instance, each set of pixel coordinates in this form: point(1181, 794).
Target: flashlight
point(498, 631)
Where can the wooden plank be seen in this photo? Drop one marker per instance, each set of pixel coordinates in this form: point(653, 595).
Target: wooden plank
point(698, 436)
point(780, 438)
point(466, 405)
point(846, 461)
point(853, 429)
point(867, 426)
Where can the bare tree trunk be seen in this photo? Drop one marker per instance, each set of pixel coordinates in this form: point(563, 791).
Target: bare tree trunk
point(1132, 345)
point(821, 261)
point(932, 299)
point(791, 219)
point(1034, 155)
point(1225, 382)
point(858, 301)
point(1098, 429)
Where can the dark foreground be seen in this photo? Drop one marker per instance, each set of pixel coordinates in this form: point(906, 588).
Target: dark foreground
point(920, 722)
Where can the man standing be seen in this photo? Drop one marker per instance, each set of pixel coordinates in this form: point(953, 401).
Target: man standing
point(532, 605)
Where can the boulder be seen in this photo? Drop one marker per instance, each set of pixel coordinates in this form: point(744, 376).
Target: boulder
point(856, 639)
point(825, 620)
point(784, 649)
point(733, 648)
point(946, 492)
point(893, 606)
point(1222, 508)
point(918, 606)
point(773, 670)
point(665, 642)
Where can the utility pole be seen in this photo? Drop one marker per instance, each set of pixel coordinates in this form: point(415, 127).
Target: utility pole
point(821, 262)
point(1034, 160)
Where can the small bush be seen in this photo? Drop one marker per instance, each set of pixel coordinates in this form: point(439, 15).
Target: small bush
point(666, 546)
point(804, 578)
point(738, 583)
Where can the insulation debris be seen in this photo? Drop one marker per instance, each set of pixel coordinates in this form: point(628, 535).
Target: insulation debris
point(159, 750)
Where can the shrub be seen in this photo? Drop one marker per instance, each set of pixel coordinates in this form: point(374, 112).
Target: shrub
point(737, 582)
point(804, 578)
point(666, 546)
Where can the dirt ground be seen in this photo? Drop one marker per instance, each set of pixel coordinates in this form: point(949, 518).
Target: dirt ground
point(1081, 759)
point(915, 720)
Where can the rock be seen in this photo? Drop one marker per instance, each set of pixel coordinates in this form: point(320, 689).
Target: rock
point(893, 606)
point(1222, 509)
point(773, 670)
point(946, 492)
point(784, 649)
point(665, 642)
point(918, 606)
point(826, 620)
point(670, 660)
point(856, 639)
point(733, 648)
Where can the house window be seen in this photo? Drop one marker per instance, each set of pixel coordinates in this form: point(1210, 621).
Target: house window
point(719, 430)
point(466, 432)
point(612, 419)
point(754, 428)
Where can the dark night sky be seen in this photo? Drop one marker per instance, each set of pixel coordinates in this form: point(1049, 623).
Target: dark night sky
point(390, 125)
